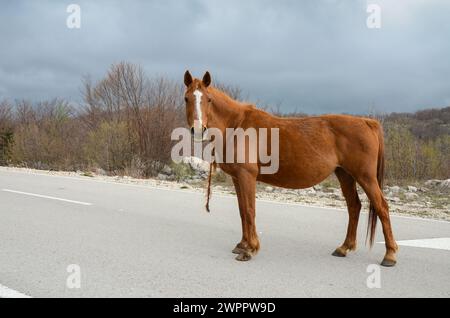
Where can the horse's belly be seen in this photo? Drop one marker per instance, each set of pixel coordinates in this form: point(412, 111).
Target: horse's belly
point(297, 178)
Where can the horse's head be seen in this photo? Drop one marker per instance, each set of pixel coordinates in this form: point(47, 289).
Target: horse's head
point(197, 104)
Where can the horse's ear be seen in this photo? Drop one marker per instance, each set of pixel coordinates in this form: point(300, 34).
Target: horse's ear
point(207, 79)
point(188, 79)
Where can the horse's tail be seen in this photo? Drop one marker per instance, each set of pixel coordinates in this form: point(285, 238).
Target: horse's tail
point(380, 177)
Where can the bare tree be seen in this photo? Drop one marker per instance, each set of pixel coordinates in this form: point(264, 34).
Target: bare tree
point(147, 110)
point(233, 91)
point(5, 115)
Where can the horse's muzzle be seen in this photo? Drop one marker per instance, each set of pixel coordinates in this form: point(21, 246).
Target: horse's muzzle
point(199, 134)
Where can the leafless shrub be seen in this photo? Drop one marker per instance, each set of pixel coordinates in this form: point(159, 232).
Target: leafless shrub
point(5, 115)
point(233, 91)
point(47, 136)
point(146, 109)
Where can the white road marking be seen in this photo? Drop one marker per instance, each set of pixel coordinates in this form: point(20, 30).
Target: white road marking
point(435, 243)
point(6, 292)
point(46, 197)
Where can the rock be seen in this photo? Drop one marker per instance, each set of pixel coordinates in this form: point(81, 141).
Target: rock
point(337, 192)
point(162, 177)
point(395, 189)
point(411, 196)
point(445, 184)
point(268, 189)
point(100, 172)
point(412, 189)
point(433, 183)
point(197, 164)
point(167, 170)
point(318, 188)
point(394, 199)
point(335, 196)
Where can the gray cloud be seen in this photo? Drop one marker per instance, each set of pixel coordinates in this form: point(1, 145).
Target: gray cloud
point(312, 56)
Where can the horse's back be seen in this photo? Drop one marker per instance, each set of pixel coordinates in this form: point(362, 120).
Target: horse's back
point(311, 148)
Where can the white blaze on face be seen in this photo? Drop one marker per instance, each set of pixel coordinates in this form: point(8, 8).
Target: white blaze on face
point(198, 107)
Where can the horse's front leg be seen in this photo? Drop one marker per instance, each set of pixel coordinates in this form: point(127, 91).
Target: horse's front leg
point(240, 247)
point(246, 191)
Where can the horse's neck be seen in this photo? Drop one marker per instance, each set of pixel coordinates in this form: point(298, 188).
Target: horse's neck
point(225, 112)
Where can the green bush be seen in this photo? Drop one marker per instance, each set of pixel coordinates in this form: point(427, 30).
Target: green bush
point(109, 147)
point(181, 171)
point(6, 143)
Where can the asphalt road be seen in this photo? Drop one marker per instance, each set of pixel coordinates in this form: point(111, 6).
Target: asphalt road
point(132, 241)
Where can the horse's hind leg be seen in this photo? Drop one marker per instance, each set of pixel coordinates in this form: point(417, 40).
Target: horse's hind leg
point(378, 201)
point(348, 185)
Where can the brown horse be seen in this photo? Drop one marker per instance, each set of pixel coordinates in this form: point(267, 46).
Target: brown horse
point(310, 149)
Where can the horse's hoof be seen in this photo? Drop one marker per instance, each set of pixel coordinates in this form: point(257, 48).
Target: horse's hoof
point(238, 250)
point(339, 253)
point(388, 263)
point(244, 257)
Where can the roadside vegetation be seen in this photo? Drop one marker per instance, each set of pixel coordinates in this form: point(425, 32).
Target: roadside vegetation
point(125, 122)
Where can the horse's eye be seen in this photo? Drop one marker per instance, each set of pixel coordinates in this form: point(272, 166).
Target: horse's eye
point(186, 99)
point(209, 100)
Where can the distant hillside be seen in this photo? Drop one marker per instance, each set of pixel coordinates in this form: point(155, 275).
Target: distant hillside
point(418, 144)
point(425, 124)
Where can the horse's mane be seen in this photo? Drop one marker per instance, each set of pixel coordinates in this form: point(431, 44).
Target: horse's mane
point(221, 94)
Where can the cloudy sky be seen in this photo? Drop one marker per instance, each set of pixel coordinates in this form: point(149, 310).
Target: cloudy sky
point(311, 56)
